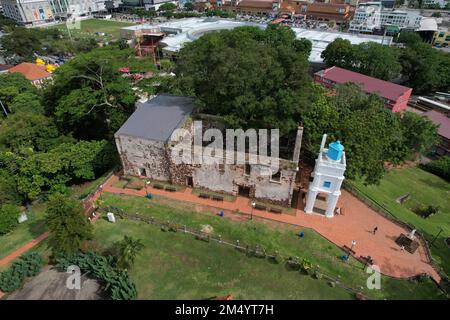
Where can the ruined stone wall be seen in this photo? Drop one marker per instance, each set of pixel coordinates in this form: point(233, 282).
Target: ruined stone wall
point(156, 158)
point(138, 153)
point(259, 182)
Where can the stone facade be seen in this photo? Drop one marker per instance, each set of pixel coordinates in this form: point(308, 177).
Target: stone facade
point(153, 159)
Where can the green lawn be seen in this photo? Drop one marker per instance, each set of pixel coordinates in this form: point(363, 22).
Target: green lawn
point(24, 233)
point(175, 265)
point(426, 189)
point(90, 26)
point(35, 225)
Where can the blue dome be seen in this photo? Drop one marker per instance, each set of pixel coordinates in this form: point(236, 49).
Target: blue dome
point(335, 150)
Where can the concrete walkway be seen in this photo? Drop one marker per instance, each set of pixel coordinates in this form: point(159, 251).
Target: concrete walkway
point(356, 224)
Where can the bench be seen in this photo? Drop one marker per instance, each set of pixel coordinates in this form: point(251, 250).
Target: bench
point(204, 195)
point(217, 198)
point(275, 210)
point(158, 186)
point(260, 207)
point(170, 189)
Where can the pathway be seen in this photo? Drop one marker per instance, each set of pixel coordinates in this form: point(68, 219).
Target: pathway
point(17, 253)
point(357, 224)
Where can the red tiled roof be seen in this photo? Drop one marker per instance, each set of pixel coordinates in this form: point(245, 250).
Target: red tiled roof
point(385, 89)
point(261, 4)
point(30, 71)
point(442, 120)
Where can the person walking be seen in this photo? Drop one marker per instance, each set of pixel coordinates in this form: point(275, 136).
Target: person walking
point(375, 230)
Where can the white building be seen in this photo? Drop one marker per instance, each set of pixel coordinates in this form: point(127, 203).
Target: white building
point(35, 12)
point(179, 32)
point(28, 11)
point(372, 16)
point(441, 3)
point(328, 177)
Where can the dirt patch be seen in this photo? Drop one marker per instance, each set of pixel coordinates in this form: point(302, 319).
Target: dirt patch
point(51, 285)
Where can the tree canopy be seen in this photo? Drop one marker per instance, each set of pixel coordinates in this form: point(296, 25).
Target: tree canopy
point(369, 58)
point(252, 77)
point(67, 225)
point(89, 98)
point(370, 132)
point(419, 65)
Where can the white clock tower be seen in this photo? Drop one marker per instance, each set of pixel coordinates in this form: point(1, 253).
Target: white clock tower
point(328, 176)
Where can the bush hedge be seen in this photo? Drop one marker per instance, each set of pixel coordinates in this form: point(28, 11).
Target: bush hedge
point(28, 265)
point(116, 282)
point(439, 167)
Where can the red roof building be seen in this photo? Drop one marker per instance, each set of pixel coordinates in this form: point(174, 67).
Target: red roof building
point(444, 130)
point(36, 74)
point(395, 96)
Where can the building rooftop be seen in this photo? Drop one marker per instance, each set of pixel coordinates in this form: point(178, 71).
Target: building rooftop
point(385, 89)
point(442, 120)
point(30, 71)
point(156, 119)
point(190, 29)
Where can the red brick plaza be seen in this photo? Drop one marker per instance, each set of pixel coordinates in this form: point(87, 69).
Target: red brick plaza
point(356, 224)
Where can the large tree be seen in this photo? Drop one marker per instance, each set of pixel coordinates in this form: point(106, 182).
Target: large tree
point(67, 224)
point(12, 85)
point(419, 133)
point(50, 172)
point(339, 53)
point(377, 60)
point(369, 58)
point(254, 78)
point(28, 130)
point(89, 98)
point(425, 69)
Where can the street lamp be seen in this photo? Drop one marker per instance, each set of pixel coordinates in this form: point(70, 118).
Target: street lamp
point(251, 213)
point(146, 184)
point(351, 249)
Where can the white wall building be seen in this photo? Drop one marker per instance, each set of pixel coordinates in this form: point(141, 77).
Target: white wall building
point(28, 11)
point(35, 12)
point(372, 16)
point(328, 177)
point(441, 3)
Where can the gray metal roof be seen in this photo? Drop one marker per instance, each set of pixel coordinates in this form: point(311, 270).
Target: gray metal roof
point(157, 118)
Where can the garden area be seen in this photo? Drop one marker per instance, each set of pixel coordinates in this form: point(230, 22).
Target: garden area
point(424, 190)
point(24, 232)
point(185, 268)
point(91, 27)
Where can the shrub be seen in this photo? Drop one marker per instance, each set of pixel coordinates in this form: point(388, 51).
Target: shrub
point(28, 265)
point(306, 265)
point(427, 211)
point(116, 282)
point(439, 167)
point(8, 218)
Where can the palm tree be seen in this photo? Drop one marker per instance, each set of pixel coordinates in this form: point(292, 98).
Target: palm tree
point(128, 250)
